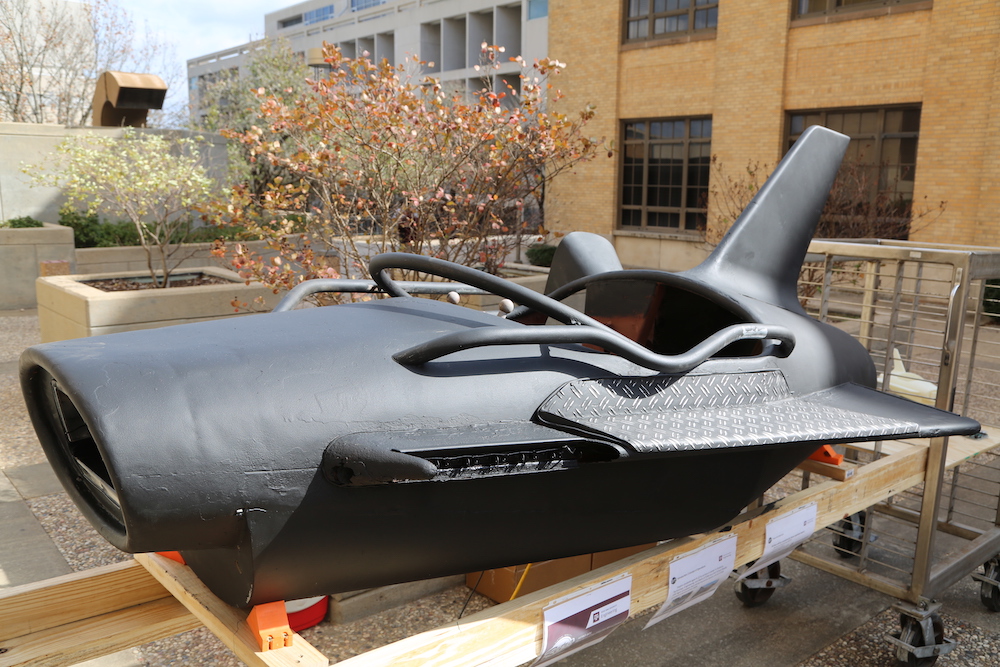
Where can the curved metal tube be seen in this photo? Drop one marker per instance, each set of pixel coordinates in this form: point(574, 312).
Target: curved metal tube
point(381, 264)
point(609, 340)
point(580, 284)
point(297, 294)
point(305, 289)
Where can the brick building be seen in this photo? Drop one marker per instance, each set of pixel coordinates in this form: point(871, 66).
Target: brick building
point(915, 83)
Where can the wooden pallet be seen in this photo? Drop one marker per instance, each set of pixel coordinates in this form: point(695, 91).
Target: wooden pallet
point(80, 616)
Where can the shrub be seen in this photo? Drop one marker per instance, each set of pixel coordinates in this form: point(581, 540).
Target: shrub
point(90, 232)
point(540, 254)
point(230, 102)
point(210, 233)
point(155, 181)
point(23, 222)
point(376, 160)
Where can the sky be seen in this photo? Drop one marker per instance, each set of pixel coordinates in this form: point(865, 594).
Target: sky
point(199, 27)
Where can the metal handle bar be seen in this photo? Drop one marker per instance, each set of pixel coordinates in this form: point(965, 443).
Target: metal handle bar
point(381, 264)
point(609, 340)
point(298, 293)
point(655, 275)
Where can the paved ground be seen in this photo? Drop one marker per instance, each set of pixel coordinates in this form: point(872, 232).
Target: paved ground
point(818, 621)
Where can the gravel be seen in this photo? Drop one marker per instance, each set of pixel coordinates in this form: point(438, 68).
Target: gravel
point(72, 534)
point(18, 445)
point(195, 647)
point(867, 646)
point(20, 330)
point(339, 642)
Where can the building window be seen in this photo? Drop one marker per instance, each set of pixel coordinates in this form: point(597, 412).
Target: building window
point(290, 21)
point(538, 9)
point(665, 165)
point(359, 5)
point(653, 19)
point(317, 15)
point(875, 184)
point(819, 7)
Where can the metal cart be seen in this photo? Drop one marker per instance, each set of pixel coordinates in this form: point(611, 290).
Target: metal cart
point(924, 314)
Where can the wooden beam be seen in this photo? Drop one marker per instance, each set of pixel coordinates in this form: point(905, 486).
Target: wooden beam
point(226, 622)
point(960, 447)
point(100, 635)
point(73, 597)
point(872, 580)
point(840, 472)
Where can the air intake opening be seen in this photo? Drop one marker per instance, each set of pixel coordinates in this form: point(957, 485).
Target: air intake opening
point(90, 471)
point(482, 462)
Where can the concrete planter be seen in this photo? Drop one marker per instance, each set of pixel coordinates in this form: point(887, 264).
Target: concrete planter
point(133, 258)
point(532, 279)
point(21, 252)
point(69, 308)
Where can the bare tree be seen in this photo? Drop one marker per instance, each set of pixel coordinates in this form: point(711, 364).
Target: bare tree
point(230, 101)
point(377, 161)
point(866, 201)
point(52, 51)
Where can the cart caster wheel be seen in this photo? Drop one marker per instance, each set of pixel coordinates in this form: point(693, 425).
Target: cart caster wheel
point(911, 633)
point(989, 593)
point(849, 537)
point(755, 597)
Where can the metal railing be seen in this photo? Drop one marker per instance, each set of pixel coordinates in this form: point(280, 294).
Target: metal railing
point(922, 311)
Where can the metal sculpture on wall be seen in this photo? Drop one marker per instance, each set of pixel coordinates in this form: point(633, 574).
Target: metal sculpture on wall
point(329, 449)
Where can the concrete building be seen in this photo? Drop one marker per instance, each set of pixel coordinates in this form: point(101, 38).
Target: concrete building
point(915, 83)
point(445, 33)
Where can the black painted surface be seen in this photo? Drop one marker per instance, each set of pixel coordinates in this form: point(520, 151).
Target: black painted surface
point(288, 454)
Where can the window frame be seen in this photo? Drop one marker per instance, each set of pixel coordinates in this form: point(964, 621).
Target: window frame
point(644, 207)
point(832, 8)
point(289, 21)
point(652, 15)
point(879, 137)
point(361, 5)
point(537, 9)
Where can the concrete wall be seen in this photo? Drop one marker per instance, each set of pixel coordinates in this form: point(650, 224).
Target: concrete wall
point(21, 252)
point(446, 33)
point(133, 258)
point(394, 30)
point(763, 62)
point(24, 144)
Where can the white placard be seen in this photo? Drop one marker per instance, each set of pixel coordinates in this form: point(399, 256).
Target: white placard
point(695, 576)
point(783, 534)
point(583, 619)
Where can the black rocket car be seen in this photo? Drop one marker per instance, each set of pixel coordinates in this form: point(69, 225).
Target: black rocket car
point(319, 450)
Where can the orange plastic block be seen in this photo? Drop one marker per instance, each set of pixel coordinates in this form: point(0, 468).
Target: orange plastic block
point(173, 555)
point(825, 454)
point(269, 623)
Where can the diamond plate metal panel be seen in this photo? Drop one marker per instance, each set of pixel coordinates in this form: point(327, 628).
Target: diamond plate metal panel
point(704, 412)
point(627, 395)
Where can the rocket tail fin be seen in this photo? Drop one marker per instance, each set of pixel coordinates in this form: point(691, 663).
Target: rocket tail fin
point(763, 251)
